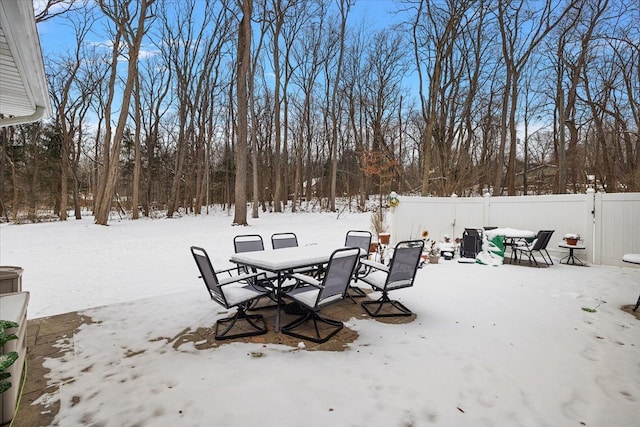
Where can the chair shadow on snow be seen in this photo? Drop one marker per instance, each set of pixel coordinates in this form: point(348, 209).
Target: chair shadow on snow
point(203, 337)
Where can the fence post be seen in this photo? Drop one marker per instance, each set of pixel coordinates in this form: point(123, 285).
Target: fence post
point(596, 220)
point(486, 209)
point(454, 220)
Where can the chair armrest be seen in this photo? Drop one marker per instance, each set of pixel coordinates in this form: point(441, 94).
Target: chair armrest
point(307, 279)
point(375, 264)
point(237, 269)
point(239, 277)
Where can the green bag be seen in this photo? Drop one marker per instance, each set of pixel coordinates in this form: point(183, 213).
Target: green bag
point(492, 251)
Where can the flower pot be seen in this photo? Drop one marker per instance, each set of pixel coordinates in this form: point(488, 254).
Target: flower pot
point(433, 259)
point(384, 238)
point(373, 247)
point(572, 242)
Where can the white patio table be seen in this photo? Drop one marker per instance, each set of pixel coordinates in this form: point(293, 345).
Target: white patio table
point(511, 237)
point(282, 262)
point(571, 258)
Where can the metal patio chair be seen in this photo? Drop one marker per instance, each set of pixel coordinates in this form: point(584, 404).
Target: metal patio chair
point(254, 243)
point(316, 294)
point(284, 240)
point(548, 234)
point(400, 273)
point(358, 239)
point(248, 243)
point(633, 259)
point(237, 291)
point(539, 244)
point(290, 240)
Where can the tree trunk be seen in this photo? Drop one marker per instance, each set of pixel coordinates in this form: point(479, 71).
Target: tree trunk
point(511, 166)
point(64, 178)
point(135, 197)
point(110, 174)
point(425, 142)
point(345, 6)
point(244, 61)
point(277, 165)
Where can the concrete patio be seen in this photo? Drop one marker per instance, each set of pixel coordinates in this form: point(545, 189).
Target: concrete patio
point(43, 333)
point(37, 408)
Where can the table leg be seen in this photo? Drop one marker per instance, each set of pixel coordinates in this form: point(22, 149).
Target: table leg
point(512, 244)
point(637, 304)
point(571, 259)
point(576, 260)
point(382, 248)
point(278, 301)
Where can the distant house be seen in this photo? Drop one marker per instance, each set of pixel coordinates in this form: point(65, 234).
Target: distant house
point(314, 185)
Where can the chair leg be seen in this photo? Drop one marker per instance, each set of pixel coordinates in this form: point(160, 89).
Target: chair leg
point(532, 258)
point(520, 258)
point(312, 316)
point(637, 304)
point(355, 292)
point(255, 322)
point(257, 305)
point(543, 257)
point(383, 302)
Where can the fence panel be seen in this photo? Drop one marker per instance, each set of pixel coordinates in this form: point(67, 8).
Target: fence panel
point(609, 224)
point(416, 214)
point(618, 226)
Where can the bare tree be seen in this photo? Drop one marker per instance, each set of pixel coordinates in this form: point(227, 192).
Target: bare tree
point(518, 45)
point(276, 22)
point(434, 28)
point(626, 50)
point(195, 38)
point(53, 8)
point(355, 82)
point(255, 152)
point(282, 20)
point(338, 108)
point(70, 92)
point(244, 63)
point(344, 6)
point(129, 19)
point(308, 55)
point(386, 67)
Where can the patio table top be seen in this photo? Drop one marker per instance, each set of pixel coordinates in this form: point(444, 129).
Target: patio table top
point(286, 258)
point(511, 233)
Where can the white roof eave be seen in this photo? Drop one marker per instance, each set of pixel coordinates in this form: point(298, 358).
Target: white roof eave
point(24, 96)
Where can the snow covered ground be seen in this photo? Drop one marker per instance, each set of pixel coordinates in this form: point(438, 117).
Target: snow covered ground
point(502, 346)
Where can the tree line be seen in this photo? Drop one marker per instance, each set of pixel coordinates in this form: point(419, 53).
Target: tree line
point(274, 104)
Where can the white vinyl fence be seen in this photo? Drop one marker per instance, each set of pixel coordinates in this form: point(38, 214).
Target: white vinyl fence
point(609, 224)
